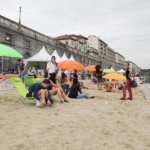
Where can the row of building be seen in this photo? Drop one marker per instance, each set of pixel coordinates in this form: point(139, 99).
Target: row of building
point(87, 50)
point(99, 49)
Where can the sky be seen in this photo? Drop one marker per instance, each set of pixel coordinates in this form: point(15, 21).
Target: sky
point(123, 24)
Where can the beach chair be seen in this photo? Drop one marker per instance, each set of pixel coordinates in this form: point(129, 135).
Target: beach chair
point(21, 89)
point(29, 80)
point(36, 80)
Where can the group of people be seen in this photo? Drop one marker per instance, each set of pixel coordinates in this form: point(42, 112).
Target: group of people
point(111, 85)
point(68, 84)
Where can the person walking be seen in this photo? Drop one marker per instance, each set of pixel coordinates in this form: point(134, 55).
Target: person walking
point(99, 72)
point(127, 85)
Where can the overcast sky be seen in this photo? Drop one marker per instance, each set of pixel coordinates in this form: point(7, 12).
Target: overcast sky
point(123, 24)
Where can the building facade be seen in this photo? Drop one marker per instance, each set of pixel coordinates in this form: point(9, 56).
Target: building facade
point(135, 69)
point(101, 46)
point(111, 57)
point(120, 60)
point(28, 42)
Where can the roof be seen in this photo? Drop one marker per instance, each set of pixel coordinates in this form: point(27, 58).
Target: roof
point(69, 36)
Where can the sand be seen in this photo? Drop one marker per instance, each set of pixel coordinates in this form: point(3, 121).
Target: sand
point(103, 123)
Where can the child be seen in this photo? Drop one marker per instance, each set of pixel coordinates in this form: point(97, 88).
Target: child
point(4, 78)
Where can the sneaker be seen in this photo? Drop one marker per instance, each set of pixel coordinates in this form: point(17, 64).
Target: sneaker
point(129, 98)
point(38, 103)
point(92, 96)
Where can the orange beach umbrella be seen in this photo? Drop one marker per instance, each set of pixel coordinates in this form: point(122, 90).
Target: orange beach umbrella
point(90, 68)
point(70, 65)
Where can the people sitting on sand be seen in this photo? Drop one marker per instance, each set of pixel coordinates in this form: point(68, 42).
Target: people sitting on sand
point(64, 83)
point(110, 87)
point(76, 89)
point(106, 83)
point(55, 88)
point(74, 75)
point(94, 79)
point(40, 93)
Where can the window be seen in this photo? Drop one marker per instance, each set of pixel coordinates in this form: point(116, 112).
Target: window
point(27, 44)
point(8, 37)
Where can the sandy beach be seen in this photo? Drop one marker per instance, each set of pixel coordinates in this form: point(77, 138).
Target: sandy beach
point(103, 123)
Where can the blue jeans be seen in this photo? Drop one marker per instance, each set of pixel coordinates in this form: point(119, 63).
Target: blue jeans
point(22, 76)
point(83, 95)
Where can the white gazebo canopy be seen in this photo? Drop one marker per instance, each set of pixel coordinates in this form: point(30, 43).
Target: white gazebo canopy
point(42, 57)
point(121, 71)
point(71, 58)
point(58, 58)
point(64, 57)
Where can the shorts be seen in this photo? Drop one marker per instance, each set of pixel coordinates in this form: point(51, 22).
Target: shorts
point(99, 78)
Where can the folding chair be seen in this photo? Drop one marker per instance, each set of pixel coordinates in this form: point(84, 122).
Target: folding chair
point(21, 89)
point(29, 80)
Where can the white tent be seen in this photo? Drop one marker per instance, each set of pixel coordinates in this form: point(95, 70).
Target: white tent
point(71, 58)
point(112, 69)
point(121, 71)
point(38, 60)
point(64, 57)
point(58, 58)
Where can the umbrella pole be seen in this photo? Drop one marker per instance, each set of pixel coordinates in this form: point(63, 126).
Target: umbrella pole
point(2, 65)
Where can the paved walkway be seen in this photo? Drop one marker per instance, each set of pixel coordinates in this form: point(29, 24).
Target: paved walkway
point(146, 91)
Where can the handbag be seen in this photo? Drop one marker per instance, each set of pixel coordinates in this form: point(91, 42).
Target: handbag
point(133, 83)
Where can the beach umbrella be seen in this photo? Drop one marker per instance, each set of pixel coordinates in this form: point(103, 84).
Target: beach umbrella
point(70, 65)
point(108, 71)
point(9, 52)
point(6, 51)
point(115, 76)
point(90, 68)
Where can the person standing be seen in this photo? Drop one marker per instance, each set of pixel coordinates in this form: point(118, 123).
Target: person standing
point(127, 84)
point(99, 72)
point(52, 65)
point(4, 78)
point(21, 69)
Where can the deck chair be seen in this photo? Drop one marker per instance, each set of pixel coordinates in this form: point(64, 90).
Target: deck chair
point(21, 89)
point(36, 80)
point(29, 80)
